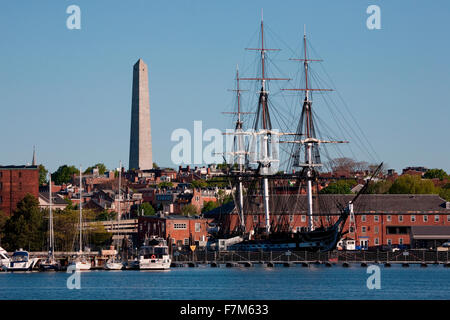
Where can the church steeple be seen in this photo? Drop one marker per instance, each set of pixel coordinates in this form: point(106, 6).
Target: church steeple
point(33, 162)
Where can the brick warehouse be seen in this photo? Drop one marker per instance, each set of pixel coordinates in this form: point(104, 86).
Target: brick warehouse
point(15, 183)
point(382, 220)
point(182, 230)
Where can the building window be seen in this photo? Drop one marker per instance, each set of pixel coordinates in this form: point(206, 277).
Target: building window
point(377, 242)
point(20, 174)
point(291, 217)
point(186, 242)
point(316, 219)
point(363, 218)
point(363, 229)
point(413, 218)
point(303, 218)
point(389, 218)
point(436, 218)
point(400, 218)
point(376, 229)
point(389, 242)
point(352, 229)
point(400, 241)
point(425, 218)
point(376, 218)
point(180, 226)
point(299, 229)
point(20, 185)
point(255, 218)
point(1, 199)
point(448, 218)
point(197, 227)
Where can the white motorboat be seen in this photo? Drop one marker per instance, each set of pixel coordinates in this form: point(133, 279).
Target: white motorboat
point(21, 261)
point(113, 264)
point(154, 255)
point(81, 263)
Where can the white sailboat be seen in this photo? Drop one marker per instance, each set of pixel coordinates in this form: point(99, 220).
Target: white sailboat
point(81, 262)
point(50, 264)
point(115, 263)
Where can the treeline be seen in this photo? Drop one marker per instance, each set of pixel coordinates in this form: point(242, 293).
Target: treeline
point(27, 228)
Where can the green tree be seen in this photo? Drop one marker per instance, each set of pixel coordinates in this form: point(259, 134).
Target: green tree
point(165, 184)
point(412, 184)
point(42, 175)
point(101, 169)
point(147, 209)
point(436, 173)
point(155, 165)
point(199, 184)
point(25, 228)
point(3, 219)
point(379, 187)
point(189, 210)
point(209, 205)
point(339, 187)
point(64, 174)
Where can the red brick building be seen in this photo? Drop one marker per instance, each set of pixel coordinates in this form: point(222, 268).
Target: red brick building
point(182, 230)
point(382, 220)
point(15, 183)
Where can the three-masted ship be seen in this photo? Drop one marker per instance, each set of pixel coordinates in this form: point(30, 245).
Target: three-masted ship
point(265, 200)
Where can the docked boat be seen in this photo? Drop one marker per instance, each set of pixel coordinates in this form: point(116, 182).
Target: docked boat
point(154, 255)
point(4, 259)
point(50, 264)
point(21, 261)
point(81, 262)
point(113, 264)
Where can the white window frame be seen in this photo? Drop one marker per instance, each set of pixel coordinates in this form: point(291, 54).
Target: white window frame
point(413, 218)
point(197, 227)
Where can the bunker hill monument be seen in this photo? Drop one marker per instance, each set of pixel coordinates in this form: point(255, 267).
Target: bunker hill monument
point(140, 136)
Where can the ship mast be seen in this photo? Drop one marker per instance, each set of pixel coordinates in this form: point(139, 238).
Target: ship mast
point(81, 245)
point(265, 125)
point(51, 234)
point(311, 143)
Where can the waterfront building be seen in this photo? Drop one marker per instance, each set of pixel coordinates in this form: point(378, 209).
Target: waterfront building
point(15, 183)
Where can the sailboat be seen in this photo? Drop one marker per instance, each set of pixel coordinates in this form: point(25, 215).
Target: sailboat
point(50, 264)
point(259, 178)
point(115, 263)
point(81, 262)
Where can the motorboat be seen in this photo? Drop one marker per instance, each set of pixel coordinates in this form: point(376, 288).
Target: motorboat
point(154, 255)
point(21, 261)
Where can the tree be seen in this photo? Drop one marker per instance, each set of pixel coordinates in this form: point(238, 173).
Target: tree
point(189, 210)
point(379, 187)
point(147, 209)
point(198, 184)
point(3, 219)
point(165, 184)
point(42, 175)
point(435, 174)
point(64, 174)
point(101, 169)
point(412, 184)
point(25, 228)
point(155, 165)
point(339, 187)
point(209, 205)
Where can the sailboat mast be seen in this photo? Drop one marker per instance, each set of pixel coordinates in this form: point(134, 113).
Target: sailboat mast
point(51, 235)
point(120, 200)
point(81, 234)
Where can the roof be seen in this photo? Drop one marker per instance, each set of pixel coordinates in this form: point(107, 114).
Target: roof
point(18, 167)
point(430, 232)
point(328, 204)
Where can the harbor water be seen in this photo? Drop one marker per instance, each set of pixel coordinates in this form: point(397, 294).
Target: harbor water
point(257, 282)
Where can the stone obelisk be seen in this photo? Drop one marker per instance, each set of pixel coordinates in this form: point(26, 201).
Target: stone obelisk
point(140, 137)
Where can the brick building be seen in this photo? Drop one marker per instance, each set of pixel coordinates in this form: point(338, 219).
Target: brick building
point(182, 230)
point(381, 220)
point(15, 183)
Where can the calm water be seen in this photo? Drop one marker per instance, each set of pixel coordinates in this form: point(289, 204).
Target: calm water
point(315, 282)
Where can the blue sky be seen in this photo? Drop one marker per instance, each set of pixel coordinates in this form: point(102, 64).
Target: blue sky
point(69, 91)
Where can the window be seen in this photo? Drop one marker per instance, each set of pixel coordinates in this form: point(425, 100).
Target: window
point(363, 218)
point(255, 218)
point(436, 218)
point(400, 218)
point(389, 218)
point(352, 229)
point(400, 241)
point(303, 218)
point(363, 229)
point(1, 199)
point(448, 218)
point(20, 185)
point(376, 229)
point(413, 218)
point(197, 227)
point(377, 242)
point(180, 226)
point(291, 217)
point(316, 218)
point(389, 241)
point(186, 242)
point(425, 218)
point(376, 218)
point(20, 174)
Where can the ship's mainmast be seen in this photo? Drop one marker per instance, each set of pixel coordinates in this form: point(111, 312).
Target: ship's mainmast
point(310, 143)
point(263, 126)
